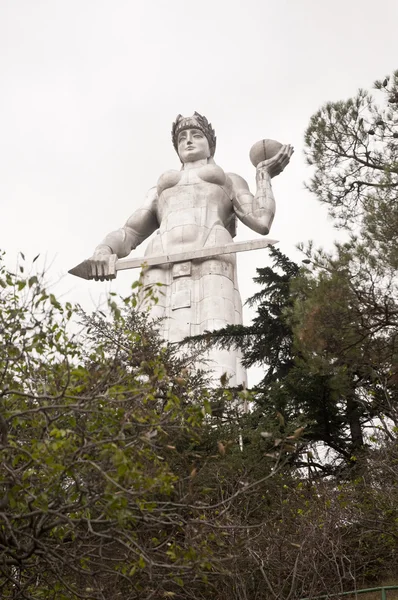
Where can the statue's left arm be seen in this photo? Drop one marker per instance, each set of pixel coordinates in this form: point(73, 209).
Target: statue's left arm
point(258, 211)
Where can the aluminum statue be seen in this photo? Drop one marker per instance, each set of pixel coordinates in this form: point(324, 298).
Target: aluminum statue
point(192, 254)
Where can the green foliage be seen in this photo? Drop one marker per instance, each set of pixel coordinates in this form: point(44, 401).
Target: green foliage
point(347, 319)
point(123, 476)
point(309, 390)
point(114, 480)
point(87, 424)
point(353, 146)
point(326, 333)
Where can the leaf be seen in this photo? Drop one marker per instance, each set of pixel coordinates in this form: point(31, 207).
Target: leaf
point(151, 434)
point(224, 379)
point(297, 433)
point(32, 281)
point(289, 448)
point(207, 407)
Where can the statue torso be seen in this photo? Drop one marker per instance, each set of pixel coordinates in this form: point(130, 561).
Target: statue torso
point(194, 208)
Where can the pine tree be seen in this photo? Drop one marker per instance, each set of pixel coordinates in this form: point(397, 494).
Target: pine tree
point(326, 334)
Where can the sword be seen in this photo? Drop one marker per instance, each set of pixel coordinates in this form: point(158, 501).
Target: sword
point(83, 269)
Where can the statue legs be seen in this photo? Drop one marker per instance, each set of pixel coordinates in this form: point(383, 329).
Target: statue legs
point(195, 297)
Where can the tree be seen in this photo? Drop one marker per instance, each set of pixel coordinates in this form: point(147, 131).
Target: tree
point(85, 476)
point(346, 312)
point(300, 393)
point(353, 147)
point(122, 475)
point(119, 481)
point(326, 333)
point(116, 480)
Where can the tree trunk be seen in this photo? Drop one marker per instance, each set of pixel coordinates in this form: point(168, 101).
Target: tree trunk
point(354, 422)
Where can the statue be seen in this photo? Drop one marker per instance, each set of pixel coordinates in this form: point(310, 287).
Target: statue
point(194, 212)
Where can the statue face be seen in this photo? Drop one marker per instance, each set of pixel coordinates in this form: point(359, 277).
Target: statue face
point(192, 145)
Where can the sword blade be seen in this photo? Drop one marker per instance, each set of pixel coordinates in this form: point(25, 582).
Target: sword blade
point(83, 269)
point(133, 263)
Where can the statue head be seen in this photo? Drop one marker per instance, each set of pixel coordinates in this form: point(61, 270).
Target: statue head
point(197, 122)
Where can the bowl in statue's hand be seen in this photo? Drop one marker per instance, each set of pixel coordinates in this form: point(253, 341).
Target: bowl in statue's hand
point(264, 150)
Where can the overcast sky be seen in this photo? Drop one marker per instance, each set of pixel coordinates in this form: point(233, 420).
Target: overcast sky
point(89, 89)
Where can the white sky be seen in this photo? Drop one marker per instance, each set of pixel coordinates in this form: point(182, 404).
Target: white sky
point(89, 89)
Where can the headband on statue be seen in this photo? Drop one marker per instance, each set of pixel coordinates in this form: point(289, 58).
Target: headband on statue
point(197, 121)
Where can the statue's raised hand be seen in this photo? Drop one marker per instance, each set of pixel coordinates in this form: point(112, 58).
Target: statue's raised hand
point(102, 265)
point(275, 165)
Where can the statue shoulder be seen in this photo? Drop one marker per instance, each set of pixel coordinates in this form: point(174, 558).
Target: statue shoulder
point(238, 183)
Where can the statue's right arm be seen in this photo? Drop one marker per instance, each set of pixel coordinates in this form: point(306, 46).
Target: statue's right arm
point(142, 223)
